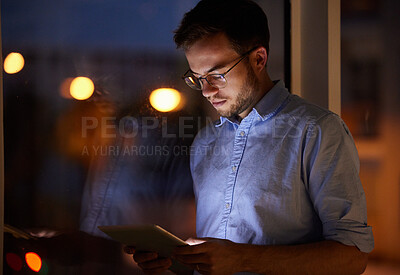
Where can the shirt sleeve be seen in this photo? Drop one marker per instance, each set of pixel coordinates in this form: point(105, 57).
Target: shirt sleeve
point(331, 175)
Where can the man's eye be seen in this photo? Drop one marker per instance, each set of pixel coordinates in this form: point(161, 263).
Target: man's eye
point(216, 77)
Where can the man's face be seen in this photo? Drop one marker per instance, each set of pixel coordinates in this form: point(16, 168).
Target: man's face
point(215, 55)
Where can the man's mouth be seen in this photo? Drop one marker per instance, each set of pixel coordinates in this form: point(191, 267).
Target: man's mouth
point(218, 103)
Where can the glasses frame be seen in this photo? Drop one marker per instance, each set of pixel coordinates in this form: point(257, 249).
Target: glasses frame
point(185, 76)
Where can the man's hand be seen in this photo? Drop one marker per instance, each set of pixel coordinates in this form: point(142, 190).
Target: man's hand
point(149, 262)
point(211, 256)
point(216, 256)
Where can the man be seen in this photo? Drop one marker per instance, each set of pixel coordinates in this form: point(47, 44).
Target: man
point(276, 179)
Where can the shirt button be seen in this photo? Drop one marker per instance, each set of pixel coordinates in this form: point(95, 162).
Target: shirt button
point(227, 205)
point(234, 168)
point(242, 133)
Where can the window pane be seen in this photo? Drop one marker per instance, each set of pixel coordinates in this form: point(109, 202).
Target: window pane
point(83, 144)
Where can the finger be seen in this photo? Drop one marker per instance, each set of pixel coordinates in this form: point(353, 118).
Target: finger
point(192, 259)
point(155, 265)
point(140, 257)
point(191, 249)
point(129, 249)
point(202, 268)
point(156, 271)
point(201, 239)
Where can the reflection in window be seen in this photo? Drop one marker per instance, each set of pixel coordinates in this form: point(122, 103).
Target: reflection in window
point(73, 162)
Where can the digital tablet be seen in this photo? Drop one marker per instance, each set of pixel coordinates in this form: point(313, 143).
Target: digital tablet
point(147, 238)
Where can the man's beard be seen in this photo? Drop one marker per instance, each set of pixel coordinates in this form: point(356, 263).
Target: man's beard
point(245, 97)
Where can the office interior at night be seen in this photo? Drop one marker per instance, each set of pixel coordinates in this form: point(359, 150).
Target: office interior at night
point(98, 124)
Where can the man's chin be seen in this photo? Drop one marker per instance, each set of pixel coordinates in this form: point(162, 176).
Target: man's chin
point(225, 114)
point(221, 112)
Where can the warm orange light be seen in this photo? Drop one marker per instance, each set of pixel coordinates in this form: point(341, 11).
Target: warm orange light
point(34, 261)
point(165, 99)
point(13, 63)
point(81, 88)
point(65, 88)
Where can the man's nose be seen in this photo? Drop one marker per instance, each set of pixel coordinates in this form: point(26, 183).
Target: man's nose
point(208, 90)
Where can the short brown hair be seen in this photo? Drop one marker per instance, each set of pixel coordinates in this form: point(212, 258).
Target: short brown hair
point(243, 21)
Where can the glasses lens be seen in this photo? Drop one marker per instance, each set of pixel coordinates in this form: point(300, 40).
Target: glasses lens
point(193, 82)
point(216, 80)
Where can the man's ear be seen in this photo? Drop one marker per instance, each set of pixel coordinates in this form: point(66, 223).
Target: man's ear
point(259, 59)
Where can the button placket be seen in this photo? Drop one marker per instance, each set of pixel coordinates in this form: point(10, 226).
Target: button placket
point(239, 144)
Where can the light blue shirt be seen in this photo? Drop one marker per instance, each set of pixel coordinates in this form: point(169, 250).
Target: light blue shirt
point(287, 174)
point(138, 180)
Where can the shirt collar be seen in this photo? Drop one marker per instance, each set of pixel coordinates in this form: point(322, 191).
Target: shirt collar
point(269, 104)
point(221, 121)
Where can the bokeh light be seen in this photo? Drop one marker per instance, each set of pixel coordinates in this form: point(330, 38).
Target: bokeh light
point(13, 63)
point(65, 87)
point(165, 99)
point(81, 88)
point(14, 261)
point(34, 261)
point(45, 269)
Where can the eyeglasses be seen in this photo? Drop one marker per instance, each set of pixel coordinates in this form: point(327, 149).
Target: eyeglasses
point(216, 80)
